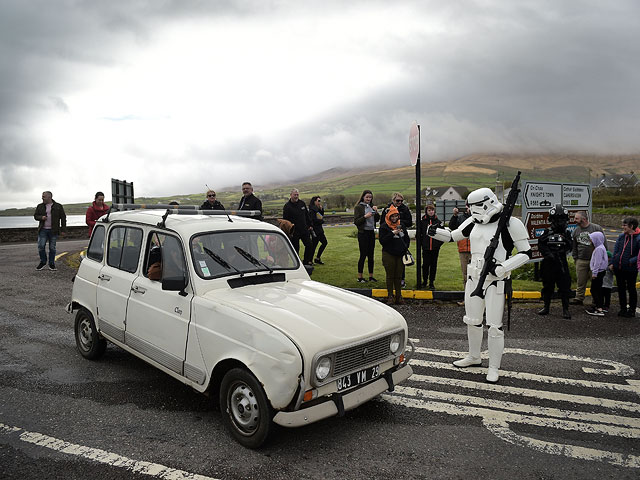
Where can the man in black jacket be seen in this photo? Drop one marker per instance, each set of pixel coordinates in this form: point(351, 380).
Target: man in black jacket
point(249, 201)
point(296, 211)
point(52, 221)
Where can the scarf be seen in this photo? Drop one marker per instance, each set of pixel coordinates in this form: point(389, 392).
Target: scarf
point(391, 211)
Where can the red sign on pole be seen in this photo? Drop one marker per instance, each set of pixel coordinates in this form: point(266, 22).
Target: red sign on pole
point(414, 143)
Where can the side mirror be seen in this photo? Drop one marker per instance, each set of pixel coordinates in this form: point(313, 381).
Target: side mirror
point(175, 284)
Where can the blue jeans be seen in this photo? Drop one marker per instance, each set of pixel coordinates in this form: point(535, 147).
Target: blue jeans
point(43, 236)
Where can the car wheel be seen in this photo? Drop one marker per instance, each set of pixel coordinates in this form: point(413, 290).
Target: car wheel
point(245, 409)
point(88, 341)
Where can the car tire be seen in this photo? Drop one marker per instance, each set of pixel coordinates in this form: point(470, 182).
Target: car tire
point(246, 412)
point(89, 342)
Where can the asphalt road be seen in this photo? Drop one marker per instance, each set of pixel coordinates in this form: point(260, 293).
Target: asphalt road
point(567, 404)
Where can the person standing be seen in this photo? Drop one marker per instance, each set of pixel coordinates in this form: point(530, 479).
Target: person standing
point(430, 246)
point(365, 216)
point(249, 201)
point(582, 248)
point(554, 244)
point(598, 265)
point(624, 264)
point(297, 213)
point(397, 200)
point(52, 222)
point(316, 212)
point(96, 210)
point(464, 245)
point(211, 203)
point(395, 241)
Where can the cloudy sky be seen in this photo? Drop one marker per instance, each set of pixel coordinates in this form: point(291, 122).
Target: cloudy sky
point(173, 94)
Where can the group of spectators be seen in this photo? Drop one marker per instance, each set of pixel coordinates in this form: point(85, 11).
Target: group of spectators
point(304, 224)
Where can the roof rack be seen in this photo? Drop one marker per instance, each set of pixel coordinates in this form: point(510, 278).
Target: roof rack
point(179, 210)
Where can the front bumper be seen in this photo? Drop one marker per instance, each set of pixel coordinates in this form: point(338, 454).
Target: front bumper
point(349, 401)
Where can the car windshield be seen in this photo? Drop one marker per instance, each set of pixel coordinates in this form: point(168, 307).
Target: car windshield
point(216, 254)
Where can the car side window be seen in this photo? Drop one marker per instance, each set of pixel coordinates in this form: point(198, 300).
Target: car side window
point(165, 257)
point(125, 244)
point(96, 246)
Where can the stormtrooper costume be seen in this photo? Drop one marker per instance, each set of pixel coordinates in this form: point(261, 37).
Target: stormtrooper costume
point(480, 228)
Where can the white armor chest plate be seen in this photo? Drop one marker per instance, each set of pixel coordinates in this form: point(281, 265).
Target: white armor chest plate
point(480, 238)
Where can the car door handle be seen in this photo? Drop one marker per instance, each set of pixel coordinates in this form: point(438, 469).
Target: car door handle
point(104, 277)
point(137, 289)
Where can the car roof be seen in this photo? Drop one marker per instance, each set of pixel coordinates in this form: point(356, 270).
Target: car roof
point(188, 225)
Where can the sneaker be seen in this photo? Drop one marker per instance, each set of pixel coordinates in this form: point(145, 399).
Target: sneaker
point(575, 301)
point(318, 261)
point(461, 303)
point(52, 267)
point(362, 280)
point(597, 312)
point(630, 314)
point(372, 279)
point(40, 266)
point(605, 310)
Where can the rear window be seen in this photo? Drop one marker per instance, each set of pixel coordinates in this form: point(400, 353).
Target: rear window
point(96, 245)
point(124, 248)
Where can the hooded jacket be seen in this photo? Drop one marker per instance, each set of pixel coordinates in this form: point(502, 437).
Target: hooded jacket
point(94, 213)
point(625, 252)
point(599, 259)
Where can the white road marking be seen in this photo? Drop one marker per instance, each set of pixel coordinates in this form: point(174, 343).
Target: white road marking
point(602, 418)
point(618, 368)
point(102, 456)
point(632, 387)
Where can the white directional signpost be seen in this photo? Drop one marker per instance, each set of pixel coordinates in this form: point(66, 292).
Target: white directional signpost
point(539, 197)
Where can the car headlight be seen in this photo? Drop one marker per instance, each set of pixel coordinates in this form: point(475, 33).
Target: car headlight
point(394, 343)
point(323, 368)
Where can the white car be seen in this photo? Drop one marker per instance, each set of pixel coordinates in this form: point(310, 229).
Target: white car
point(223, 304)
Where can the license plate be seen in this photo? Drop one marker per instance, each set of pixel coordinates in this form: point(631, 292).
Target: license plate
point(356, 378)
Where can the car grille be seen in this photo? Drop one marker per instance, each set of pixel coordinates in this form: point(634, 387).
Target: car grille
point(359, 356)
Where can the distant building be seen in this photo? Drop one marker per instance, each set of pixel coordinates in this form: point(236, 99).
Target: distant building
point(447, 193)
point(620, 180)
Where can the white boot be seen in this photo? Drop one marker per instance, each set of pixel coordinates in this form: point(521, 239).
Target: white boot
point(495, 342)
point(474, 334)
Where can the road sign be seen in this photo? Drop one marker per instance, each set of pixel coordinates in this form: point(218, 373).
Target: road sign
point(539, 197)
point(414, 143)
point(576, 195)
point(542, 195)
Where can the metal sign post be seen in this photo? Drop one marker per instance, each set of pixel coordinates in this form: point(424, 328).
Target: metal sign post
point(414, 156)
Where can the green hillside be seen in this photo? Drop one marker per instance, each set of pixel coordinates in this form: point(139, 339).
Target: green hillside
point(341, 188)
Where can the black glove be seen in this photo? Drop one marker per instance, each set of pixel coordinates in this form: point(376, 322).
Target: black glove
point(431, 231)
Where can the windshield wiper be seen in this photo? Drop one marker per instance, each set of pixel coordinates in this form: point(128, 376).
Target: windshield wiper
point(221, 261)
point(252, 259)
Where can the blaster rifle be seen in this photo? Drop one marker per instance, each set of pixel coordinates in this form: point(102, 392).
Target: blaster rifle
point(489, 264)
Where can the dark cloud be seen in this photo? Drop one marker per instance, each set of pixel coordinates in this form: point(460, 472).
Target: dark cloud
point(504, 77)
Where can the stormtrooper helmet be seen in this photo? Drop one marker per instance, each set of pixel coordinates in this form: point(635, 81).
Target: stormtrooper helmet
point(483, 204)
point(558, 218)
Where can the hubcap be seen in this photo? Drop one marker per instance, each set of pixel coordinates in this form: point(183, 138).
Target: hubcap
point(244, 408)
point(84, 334)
